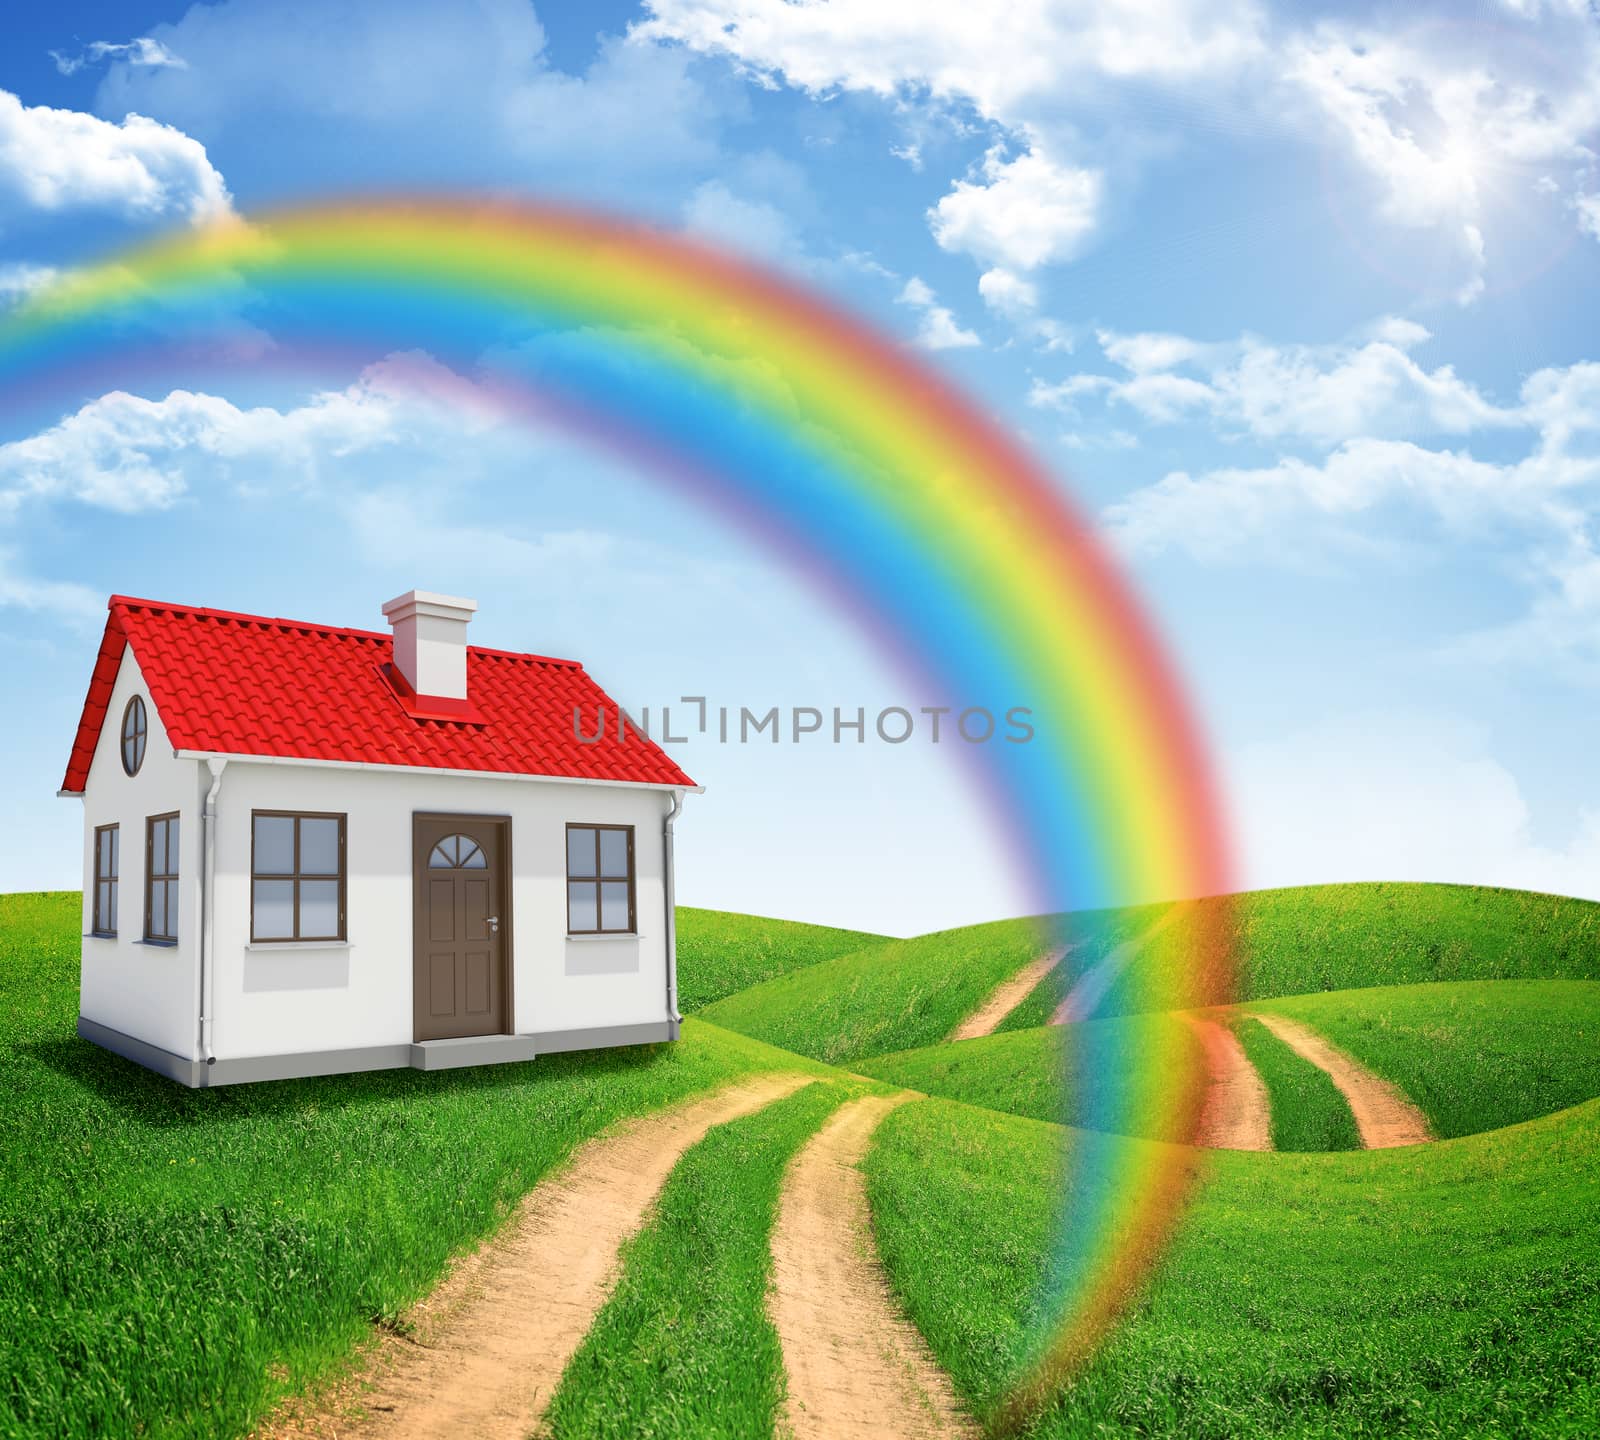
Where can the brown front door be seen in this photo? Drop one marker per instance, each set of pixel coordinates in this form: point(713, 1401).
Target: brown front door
point(460, 926)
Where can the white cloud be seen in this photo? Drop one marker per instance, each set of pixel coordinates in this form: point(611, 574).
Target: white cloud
point(19, 279)
point(1392, 795)
point(336, 59)
point(1530, 518)
point(61, 159)
point(1362, 85)
point(1450, 121)
point(127, 454)
point(1477, 257)
point(1588, 208)
point(1151, 350)
point(79, 605)
point(1106, 440)
point(756, 227)
point(1559, 632)
point(1008, 293)
point(1564, 402)
point(1284, 511)
point(962, 52)
point(143, 51)
point(1453, 121)
point(1326, 394)
point(939, 329)
point(1028, 212)
point(1016, 299)
point(1533, 517)
point(1165, 398)
point(1400, 332)
point(1374, 390)
point(1013, 71)
point(1064, 395)
point(414, 92)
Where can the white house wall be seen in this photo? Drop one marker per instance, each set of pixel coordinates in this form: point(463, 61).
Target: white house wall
point(277, 1000)
point(150, 992)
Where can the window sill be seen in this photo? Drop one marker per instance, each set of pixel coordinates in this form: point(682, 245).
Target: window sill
point(604, 935)
point(158, 944)
point(99, 935)
point(299, 945)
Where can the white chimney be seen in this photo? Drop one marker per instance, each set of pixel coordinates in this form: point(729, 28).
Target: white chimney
point(430, 641)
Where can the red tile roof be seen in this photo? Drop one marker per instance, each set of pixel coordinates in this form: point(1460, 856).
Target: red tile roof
point(248, 685)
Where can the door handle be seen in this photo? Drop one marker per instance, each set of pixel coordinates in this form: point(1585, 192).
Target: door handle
point(493, 924)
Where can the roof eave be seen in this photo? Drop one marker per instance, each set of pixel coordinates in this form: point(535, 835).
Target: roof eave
point(687, 788)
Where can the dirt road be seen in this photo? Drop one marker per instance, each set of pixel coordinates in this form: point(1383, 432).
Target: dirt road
point(1384, 1116)
point(858, 1370)
point(1237, 1114)
point(1085, 996)
point(1009, 994)
point(491, 1341)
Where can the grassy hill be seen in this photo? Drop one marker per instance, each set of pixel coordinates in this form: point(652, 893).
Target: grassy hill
point(1025, 1072)
point(1094, 934)
point(1309, 1112)
point(170, 1261)
point(1341, 937)
point(163, 1252)
point(1473, 1055)
point(892, 997)
point(721, 953)
point(902, 994)
point(1449, 1289)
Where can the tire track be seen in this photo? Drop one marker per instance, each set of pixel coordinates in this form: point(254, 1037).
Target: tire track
point(1091, 987)
point(1007, 995)
point(857, 1368)
point(1384, 1116)
point(491, 1341)
point(1237, 1114)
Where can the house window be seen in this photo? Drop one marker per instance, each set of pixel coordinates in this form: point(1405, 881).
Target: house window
point(297, 876)
point(457, 852)
point(161, 879)
point(135, 731)
point(106, 862)
point(600, 879)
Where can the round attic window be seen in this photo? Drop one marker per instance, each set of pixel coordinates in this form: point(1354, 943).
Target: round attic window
point(135, 731)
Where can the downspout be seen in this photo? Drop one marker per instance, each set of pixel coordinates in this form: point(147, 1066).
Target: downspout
point(672, 912)
point(208, 914)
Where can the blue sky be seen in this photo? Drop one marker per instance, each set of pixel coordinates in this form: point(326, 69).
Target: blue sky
point(1298, 303)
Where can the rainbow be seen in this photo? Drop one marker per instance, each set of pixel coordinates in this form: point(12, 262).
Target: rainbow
point(958, 553)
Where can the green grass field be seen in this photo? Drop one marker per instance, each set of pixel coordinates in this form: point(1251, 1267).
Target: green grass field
point(1308, 1111)
point(1443, 1290)
point(891, 997)
point(171, 1260)
point(1093, 935)
point(720, 953)
point(1340, 937)
point(673, 1359)
point(1472, 1055)
point(1025, 1072)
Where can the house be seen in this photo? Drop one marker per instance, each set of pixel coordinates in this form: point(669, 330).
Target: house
point(310, 850)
